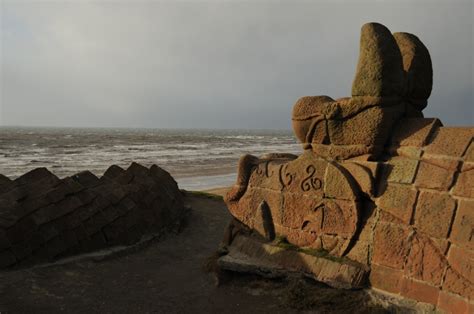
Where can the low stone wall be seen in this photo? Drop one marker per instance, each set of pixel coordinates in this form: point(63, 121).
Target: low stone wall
point(43, 218)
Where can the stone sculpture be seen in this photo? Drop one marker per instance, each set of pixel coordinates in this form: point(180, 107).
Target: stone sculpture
point(43, 218)
point(379, 189)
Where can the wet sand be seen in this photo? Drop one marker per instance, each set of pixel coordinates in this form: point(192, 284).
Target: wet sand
point(222, 191)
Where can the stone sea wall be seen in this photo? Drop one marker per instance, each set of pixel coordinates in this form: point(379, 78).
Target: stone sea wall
point(44, 218)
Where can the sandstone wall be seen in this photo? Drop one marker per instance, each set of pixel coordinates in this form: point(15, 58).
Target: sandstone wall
point(422, 231)
point(43, 218)
point(377, 184)
point(410, 218)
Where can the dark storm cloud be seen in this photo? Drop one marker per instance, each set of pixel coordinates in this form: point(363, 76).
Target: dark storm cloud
point(210, 64)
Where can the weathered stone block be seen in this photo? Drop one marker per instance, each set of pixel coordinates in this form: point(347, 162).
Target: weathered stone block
point(338, 184)
point(452, 141)
point(425, 262)
point(68, 205)
point(462, 260)
point(20, 231)
point(36, 175)
point(391, 245)
point(458, 284)
point(469, 156)
point(420, 291)
point(464, 186)
point(436, 173)
point(400, 170)
point(95, 223)
point(18, 193)
point(113, 172)
point(385, 278)
point(463, 227)
point(398, 200)
point(434, 213)
point(111, 213)
point(452, 304)
point(87, 179)
point(414, 131)
point(5, 184)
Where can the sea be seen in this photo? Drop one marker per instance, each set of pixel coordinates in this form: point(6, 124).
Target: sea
point(198, 159)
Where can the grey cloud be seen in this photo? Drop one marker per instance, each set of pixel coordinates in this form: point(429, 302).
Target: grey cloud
point(210, 64)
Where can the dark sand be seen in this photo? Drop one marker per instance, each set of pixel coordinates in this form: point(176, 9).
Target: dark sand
point(168, 277)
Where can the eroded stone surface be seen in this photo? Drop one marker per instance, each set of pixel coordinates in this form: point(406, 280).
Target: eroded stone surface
point(377, 183)
point(43, 218)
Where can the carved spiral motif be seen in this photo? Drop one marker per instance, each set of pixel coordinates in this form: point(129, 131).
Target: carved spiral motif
point(311, 182)
point(286, 178)
point(265, 170)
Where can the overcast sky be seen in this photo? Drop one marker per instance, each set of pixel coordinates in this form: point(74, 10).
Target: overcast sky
point(226, 64)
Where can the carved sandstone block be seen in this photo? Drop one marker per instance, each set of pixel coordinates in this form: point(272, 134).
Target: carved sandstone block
point(462, 260)
point(400, 170)
point(386, 278)
point(436, 174)
point(398, 200)
point(391, 245)
point(434, 213)
point(425, 262)
point(414, 132)
point(464, 186)
point(420, 291)
point(455, 283)
point(450, 141)
point(452, 304)
point(462, 232)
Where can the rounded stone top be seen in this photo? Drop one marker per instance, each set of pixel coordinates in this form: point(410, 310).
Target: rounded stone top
point(310, 106)
point(418, 68)
point(380, 68)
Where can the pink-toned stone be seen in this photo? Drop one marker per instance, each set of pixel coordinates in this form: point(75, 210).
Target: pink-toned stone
point(306, 174)
point(419, 291)
point(414, 131)
point(463, 227)
point(398, 200)
point(462, 260)
point(450, 141)
point(458, 284)
point(339, 184)
point(464, 185)
point(406, 151)
point(266, 175)
point(469, 156)
point(436, 173)
point(363, 176)
point(400, 170)
point(425, 262)
point(386, 278)
point(452, 304)
point(300, 208)
point(391, 245)
point(434, 213)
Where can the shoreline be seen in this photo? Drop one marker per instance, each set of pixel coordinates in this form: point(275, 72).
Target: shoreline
point(207, 183)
